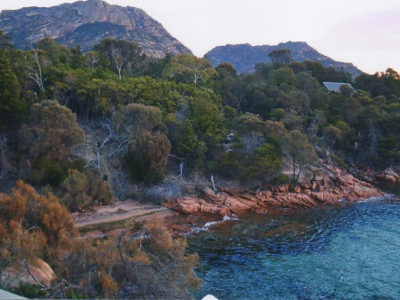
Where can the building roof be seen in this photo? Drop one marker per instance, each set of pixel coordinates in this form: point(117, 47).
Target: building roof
point(7, 295)
point(335, 86)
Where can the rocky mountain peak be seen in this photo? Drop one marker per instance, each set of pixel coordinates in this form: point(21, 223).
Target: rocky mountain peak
point(245, 56)
point(85, 23)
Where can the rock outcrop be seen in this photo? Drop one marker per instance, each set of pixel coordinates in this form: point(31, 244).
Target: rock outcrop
point(389, 176)
point(334, 186)
point(85, 23)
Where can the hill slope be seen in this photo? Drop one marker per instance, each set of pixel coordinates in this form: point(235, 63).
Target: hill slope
point(85, 23)
point(244, 56)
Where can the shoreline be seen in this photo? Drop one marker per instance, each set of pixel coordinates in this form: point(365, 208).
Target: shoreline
point(183, 214)
point(333, 186)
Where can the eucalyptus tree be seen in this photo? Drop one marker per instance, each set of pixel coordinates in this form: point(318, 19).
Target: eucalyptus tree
point(299, 151)
point(187, 68)
point(120, 53)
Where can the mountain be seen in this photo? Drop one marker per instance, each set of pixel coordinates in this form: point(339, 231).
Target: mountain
point(244, 56)
point(85, 23)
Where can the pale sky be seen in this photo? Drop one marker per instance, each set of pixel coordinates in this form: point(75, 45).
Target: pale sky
point(364, 32)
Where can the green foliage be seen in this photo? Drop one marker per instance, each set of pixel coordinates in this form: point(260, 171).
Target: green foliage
point(49, 171)
point(147, 155)
point(159, 93)
point(122, 54)
point(296, 147)
point(281, 179)
point(264, 163)
point(5, 41)
point(280, 57)
point(186, 68)
point(81, 188)
point(190, 148)
point(51, 130)
point(75, 186)
point(12, 107)
point(135, 119)
point(207, 120)
point(30, 291)
point(214, 118)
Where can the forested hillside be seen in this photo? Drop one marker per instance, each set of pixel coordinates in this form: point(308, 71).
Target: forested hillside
point(79, 129)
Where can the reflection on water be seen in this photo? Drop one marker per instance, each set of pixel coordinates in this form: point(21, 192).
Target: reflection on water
point(351, 251)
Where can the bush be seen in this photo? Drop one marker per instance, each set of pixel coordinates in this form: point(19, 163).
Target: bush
point(146, 157)
point(81, 188)
point(281, 179)
point(159, 194)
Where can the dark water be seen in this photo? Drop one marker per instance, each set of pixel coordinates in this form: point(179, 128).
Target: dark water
point(350, 251)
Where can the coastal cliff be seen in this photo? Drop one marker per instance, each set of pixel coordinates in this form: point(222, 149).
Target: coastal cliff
point(334, 186)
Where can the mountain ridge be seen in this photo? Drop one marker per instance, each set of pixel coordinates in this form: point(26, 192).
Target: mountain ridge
point(85, 23)
point(245, 56)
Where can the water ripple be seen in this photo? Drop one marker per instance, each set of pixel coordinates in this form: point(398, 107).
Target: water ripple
point(351, 251)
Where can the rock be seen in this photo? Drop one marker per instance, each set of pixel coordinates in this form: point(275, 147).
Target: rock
point(244, 56)
point(337, 185)
point(297, 189)
point(39, 268)
point(85, 23)
point(388, 175)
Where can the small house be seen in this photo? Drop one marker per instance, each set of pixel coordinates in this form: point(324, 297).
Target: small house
point(335, 87)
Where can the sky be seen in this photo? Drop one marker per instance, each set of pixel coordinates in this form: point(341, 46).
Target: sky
point(363, 32)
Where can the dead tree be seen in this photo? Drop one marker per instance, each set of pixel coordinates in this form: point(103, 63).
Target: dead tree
point(35, 72)
point(181, 165)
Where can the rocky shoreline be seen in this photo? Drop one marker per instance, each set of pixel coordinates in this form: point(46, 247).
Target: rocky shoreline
point(332, 187)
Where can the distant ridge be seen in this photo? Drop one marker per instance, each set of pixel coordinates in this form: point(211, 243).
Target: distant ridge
point(244, 56)
point(85, 23)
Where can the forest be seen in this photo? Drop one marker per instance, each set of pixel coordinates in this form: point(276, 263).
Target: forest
point(81, 129)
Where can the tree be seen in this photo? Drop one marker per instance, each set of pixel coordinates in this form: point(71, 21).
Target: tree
point(187, 68)
point(81, 188)
point(11, 106)
point(250, 129)
point(51, 131)
point(229, 85)
point(120, 53)
point(301, 154)
point(36, 69)
point(280, 57)
point(147, 155)
point(190, 148)
point(207, 120)
point(264, 163)
point(91, 59)
point(299, 102)
point(5, 41)
point(134, 119)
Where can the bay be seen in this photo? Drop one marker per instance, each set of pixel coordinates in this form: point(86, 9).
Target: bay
point(346, 251)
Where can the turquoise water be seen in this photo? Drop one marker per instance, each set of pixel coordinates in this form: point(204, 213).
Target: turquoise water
point(349, 251)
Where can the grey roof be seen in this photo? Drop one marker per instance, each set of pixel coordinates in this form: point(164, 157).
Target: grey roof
point(7, 295)
point(335, 86)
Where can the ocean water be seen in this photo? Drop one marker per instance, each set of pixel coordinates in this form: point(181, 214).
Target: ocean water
point(346, 251)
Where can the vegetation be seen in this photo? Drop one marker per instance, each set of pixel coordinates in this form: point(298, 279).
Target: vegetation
point(141, 120)
point(35, 226)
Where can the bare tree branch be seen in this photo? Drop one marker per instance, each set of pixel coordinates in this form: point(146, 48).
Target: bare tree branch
point(33, 276)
